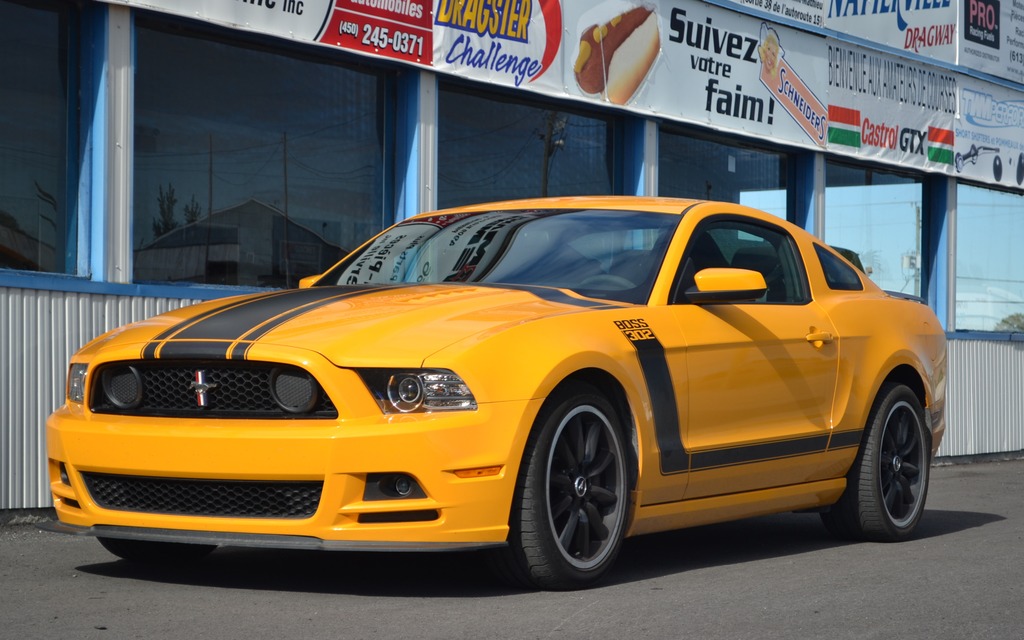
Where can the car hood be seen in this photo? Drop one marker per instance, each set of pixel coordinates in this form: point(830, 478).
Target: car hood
point(350, 326)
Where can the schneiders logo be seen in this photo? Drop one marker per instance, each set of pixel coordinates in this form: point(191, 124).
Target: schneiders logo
point(981, 20)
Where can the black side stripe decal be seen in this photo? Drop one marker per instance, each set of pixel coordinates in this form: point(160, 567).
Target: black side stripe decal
point(673, 455)
point(654, 365)
point(212, 334)
point(762, 452)
point(845, 439)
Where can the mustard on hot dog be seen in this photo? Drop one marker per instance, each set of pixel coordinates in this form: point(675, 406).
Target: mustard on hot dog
point(614, 57)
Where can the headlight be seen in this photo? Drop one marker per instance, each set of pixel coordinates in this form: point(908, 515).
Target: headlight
point(421, 390)
point(76, 383)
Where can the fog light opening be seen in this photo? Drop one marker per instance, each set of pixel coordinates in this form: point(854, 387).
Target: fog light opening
point(391, 486)
point(64, 477)
point(403, 486)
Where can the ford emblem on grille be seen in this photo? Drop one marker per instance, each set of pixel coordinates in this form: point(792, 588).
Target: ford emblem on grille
point(202, 387)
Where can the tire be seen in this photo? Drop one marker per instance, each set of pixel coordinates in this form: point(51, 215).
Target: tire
point(887, 485)
point(156, 553)
point(572, 497)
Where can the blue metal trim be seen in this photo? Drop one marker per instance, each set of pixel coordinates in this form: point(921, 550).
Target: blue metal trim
point(94, 218)
point(935, 244)
point(985, 336)
point(70, 284)
point(633, 154)
point(804, 190)
point(407, 145)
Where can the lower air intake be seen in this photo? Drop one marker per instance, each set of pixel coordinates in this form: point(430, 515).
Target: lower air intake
point(218, 498)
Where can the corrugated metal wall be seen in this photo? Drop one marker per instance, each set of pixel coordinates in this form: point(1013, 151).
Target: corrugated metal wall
point(39, 331)
point(985, 409)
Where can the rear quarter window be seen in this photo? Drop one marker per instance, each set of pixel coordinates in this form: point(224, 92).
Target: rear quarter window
point(838, 275)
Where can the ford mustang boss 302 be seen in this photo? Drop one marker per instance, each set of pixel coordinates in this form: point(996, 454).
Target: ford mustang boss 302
point(536, 380)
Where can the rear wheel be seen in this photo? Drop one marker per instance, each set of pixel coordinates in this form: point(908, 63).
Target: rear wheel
point(888, 483)
point(572, 496)
point(151, 552)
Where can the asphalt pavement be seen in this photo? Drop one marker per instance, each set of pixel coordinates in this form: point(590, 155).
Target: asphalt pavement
point(774, 577)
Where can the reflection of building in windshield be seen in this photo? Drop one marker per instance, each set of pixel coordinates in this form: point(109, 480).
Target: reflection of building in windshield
point(612, 255)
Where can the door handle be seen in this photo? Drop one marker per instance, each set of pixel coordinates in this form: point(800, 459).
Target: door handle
point(819, 338)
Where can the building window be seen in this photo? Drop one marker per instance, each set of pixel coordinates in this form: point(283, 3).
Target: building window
point(989, 263)
point(37, 229)
point(695, 167)
point(251, 167)
point(497, 148)
point(876, 214)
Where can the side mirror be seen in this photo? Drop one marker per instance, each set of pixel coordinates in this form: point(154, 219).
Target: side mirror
point(309, 281)
point(716, 286)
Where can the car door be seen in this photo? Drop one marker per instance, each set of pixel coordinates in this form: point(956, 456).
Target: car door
point(760, 374)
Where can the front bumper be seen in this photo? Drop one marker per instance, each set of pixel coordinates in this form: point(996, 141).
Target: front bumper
point(452, 511)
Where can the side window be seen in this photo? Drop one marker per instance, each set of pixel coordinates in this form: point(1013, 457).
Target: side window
point(838, 275)
point(741, 245)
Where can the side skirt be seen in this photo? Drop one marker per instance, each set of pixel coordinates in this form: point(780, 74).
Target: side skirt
point(701, 511)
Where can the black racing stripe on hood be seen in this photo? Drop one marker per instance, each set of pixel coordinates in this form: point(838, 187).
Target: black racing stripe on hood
point(210, 334)
point(552, 294)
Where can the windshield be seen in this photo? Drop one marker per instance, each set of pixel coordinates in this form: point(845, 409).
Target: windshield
point(605, 254)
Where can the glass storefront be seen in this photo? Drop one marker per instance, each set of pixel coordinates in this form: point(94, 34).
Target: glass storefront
point(37, 74)
point(876, 214)
point(989, 262)
point(497, 148)
point(251, 167)
point(695, 167)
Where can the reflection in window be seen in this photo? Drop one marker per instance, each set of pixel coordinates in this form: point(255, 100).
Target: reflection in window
point(497, 149)
point(989, 262)
point(690, 167)
point(35, 211)
point(285, 152)
point(877, 215)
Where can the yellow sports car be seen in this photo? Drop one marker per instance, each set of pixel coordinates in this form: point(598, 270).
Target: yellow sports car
point(536, 379)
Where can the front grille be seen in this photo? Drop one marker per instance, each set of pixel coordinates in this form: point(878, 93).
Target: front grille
point(224, 498)
point(236, 390)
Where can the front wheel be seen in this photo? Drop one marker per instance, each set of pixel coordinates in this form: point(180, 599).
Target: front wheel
point(572, 496)
point(888, 483)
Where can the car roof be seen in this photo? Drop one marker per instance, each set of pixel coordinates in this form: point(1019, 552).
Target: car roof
point(615, 203)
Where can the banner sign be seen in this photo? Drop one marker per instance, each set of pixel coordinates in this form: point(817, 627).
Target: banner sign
point(808, 12)
point(890, 109)
point(508, 42)
point(398, 29)
point(697, 63)
point(993, 37)
point(990, 134)
point(707, 65)
point(925, 27)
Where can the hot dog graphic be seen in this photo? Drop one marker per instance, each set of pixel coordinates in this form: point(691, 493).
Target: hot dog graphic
point(614, 57)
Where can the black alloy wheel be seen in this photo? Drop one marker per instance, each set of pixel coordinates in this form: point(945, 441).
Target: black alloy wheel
point(572, 498)
point(887, 485)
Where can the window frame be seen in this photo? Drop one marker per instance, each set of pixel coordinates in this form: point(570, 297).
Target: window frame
point(683, 277)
